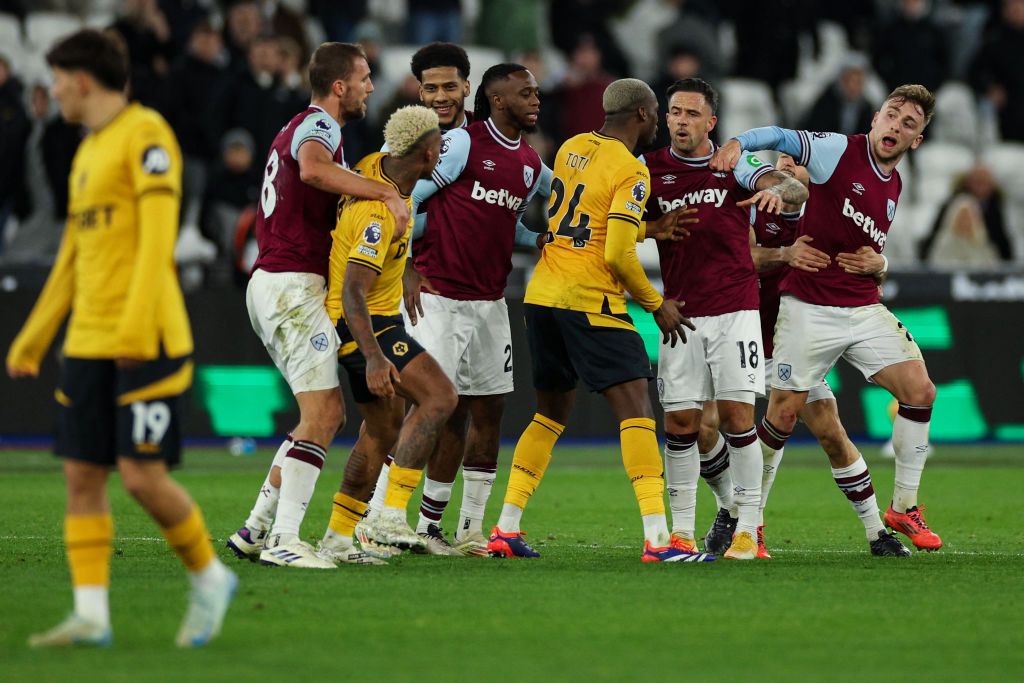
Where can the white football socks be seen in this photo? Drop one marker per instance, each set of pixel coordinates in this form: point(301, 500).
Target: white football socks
point(380, 490)
point(476, 490)
point(436, 495)
point(714, 469)
point(262, 515)
point(910, 441)
point(682, 469)
point(511, 515)
point(746, 463)
point(771, 466)
point(855, 482)
point(299, 473)
point(655, 530)
point(92, 603)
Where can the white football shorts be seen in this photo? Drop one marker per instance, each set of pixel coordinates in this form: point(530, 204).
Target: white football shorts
point(288, 314)
point(721, 360)
point(470, 340)
point(809, 339)
point(817, 393)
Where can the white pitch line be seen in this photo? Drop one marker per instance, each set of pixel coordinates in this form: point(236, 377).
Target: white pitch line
point(781, 551)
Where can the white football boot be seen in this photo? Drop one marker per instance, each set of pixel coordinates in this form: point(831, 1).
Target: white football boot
point(73, 631)
point(206, 609)
point(295, 554)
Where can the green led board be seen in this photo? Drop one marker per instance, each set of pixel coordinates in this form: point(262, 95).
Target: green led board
point(647, 328)
point(241, 399)
point(956, 416)
point(929, 326)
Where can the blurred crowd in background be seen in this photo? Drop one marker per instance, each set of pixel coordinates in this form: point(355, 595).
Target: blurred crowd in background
point(228, 74)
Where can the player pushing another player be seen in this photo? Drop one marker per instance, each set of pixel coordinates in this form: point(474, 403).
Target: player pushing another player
point(304, 176)
point(713, 272)
point(835, 313)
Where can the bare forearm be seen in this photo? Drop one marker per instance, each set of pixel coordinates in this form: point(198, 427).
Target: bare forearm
point(331, 177)
point(357, 317)
point(768, 258)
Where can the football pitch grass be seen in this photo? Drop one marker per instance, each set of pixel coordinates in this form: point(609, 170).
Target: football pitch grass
point(823, 609)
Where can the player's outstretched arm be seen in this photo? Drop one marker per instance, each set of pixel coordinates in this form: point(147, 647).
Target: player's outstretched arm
point(52, 306)
point(381, 373)
point(318, 169)
point(756, 139)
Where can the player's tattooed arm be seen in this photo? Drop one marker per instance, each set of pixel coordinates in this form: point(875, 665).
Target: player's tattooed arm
point(381, 374)
point(318, 169)
point(776, 191)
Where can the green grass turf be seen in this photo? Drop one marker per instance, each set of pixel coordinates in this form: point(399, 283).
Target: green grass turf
point(822, 609)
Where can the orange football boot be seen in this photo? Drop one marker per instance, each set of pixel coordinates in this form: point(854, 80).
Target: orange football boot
point(912, 525)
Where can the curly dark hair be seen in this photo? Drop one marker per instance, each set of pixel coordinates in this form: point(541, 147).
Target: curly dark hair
point(440, 54)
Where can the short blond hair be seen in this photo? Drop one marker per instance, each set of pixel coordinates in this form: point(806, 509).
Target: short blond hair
point(407, 126)
point(626, 94)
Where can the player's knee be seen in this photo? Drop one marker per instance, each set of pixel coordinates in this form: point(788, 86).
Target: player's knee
point(138, 483)
point(442, 402)
point(922, 393)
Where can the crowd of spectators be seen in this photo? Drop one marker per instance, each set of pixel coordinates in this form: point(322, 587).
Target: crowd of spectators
point(228, 73)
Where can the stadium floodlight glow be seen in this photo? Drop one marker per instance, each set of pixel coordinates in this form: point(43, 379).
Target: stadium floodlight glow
point(241, 399)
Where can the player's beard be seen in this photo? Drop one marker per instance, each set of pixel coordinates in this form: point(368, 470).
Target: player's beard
point(354, 114)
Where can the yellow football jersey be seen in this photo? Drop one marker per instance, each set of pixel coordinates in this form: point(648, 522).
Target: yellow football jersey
point(115, 270)
point(365, 235)
point(594, 178)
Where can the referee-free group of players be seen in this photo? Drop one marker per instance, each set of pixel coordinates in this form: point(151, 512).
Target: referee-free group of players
point(396, 270)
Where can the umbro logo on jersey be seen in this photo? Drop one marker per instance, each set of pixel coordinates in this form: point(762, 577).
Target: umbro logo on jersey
point(499, 197)
point(489, 165)
point(773, 228)
point(708, 196)
point(866, 222)
point(858, 188)
point(668, 179)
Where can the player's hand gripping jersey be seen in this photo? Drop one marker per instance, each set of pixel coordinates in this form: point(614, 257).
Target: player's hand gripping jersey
point(598, 187)
point(852, 204)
